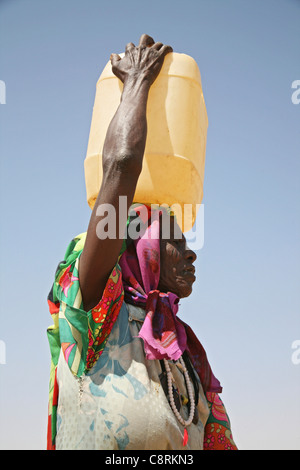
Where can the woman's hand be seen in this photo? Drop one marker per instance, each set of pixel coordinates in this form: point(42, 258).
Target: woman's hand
point(143, 61)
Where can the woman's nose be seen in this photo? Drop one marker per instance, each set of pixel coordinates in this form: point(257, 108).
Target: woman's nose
point(190, 255)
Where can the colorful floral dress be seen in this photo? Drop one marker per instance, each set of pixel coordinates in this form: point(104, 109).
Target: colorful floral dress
point(104, 393)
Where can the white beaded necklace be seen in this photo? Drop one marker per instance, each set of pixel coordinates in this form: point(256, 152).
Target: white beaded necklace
point(189, 390)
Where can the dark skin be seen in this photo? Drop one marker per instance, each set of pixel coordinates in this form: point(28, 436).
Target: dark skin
point(122, 159)
point(177, 272)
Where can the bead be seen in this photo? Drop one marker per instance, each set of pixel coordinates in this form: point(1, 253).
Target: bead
point(189, 389)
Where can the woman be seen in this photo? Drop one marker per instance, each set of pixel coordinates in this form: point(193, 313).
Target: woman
point(126, 372)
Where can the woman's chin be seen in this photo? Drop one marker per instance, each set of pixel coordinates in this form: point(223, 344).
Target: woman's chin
point(186, 290)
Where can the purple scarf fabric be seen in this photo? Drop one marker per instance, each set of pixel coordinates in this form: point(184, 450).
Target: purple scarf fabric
point(163, 333)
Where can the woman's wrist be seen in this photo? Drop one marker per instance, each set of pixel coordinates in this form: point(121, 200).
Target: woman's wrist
point(136, 86)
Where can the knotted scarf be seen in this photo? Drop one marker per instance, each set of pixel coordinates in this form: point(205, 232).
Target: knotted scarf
point(163, 333)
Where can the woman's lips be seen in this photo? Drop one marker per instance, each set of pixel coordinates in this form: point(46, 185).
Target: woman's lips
point(190, 273)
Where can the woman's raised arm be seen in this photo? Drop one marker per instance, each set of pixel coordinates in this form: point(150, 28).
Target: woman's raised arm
point(122, 159)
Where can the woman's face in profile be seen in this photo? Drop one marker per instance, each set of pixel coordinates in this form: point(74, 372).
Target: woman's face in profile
point(177, 271)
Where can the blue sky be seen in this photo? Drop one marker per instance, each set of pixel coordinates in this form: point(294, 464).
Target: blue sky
point(245, 306)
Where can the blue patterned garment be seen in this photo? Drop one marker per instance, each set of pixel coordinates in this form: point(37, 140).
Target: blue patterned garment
point(120, 403)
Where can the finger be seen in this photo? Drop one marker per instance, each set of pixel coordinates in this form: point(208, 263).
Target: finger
point(157, 46)
point(129, 46)
point(164, 50)
point(146, 40)
point(114, 59)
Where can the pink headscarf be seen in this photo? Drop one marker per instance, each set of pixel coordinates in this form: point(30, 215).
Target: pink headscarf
point(163, 333)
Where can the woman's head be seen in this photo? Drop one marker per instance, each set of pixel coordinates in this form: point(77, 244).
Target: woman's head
point(156, 255)
point(177, 271)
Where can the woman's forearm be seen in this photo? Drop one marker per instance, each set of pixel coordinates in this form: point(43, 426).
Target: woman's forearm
point(122, 159)
point(126, 135)
point(122, 163)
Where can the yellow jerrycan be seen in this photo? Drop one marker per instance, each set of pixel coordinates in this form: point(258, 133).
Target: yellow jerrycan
point(174, 159)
